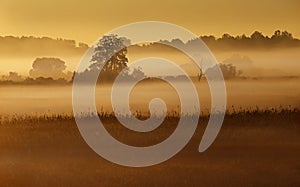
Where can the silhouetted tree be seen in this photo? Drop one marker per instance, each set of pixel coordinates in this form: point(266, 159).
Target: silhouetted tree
point(110, 54)
point(12, 76)
point(282, 35)
point(177, 42)
point(287, 35)
point(257, 36)
point(227, 37)
point(276, 34)
point(138, 73)
point(229, 70)
point(48, 68)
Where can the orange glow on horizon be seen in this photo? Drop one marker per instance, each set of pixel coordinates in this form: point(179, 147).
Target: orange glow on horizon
point(87, 21)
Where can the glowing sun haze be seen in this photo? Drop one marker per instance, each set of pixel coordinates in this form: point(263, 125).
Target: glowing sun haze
point(87, 20)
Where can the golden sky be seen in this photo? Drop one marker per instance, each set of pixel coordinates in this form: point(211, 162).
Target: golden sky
point(87, 20)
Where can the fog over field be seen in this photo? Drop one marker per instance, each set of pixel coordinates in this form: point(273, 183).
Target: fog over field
point(269, 78)
point(253, 63)
point(240, 93)
point(149, 93)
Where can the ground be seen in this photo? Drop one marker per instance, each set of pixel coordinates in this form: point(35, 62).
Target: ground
point(252, 149)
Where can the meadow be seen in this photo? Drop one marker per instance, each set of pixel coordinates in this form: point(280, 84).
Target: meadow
point(255, 147)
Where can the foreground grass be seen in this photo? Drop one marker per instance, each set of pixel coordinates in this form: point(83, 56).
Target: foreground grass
point(254, 148)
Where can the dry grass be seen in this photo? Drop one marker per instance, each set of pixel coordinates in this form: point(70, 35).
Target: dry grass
point(254, 148)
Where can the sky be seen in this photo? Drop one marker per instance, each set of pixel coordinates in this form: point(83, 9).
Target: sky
point(86, 21)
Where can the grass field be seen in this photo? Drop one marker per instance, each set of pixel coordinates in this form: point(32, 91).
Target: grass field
point(254, 148)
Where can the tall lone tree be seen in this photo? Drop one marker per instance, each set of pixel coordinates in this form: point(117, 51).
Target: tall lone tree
point(110, 56)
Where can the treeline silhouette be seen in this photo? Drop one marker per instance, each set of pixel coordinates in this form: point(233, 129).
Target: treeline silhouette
point(112, 49)
point(46, 70)
point(280, 39)
point(45, 46)
point(257, 40)
point(37, 81)
point(13, 78)
point(42, 46)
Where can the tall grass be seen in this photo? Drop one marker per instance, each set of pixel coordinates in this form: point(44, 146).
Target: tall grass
point(279, 113)
point(255, 147)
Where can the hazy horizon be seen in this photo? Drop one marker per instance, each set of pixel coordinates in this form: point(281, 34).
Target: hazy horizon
point(149, 93)
point(254, 60)
point(86, 21)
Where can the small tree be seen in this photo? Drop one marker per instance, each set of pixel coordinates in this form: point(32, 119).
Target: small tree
point(48, 67)
point(12, 76)
point(137, 73)
point(257, 36)
point(229, 70)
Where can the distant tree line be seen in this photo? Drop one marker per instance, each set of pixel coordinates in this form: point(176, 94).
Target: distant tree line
point(280, 39)
point(44, 71)
point(13, 78)
point(54, 47)
point(110, 57)
point(29, 45)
